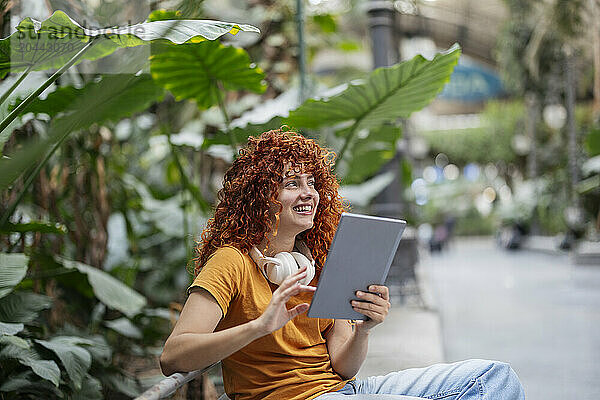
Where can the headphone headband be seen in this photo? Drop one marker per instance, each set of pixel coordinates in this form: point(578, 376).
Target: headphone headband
point(277, 268)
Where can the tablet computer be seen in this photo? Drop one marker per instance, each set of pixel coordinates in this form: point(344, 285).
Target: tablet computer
point(360, 255)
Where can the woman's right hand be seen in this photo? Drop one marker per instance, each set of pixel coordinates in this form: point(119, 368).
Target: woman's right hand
point(277, 315)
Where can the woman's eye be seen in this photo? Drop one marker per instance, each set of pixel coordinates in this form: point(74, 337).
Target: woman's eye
point(311, 183)
point(290, 184)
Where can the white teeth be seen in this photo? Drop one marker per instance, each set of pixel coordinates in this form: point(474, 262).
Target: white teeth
point(303, 208)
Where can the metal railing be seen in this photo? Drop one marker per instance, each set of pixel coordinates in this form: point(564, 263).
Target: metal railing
point(168, 386)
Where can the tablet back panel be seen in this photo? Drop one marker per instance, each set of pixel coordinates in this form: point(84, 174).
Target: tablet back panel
point(360, 255)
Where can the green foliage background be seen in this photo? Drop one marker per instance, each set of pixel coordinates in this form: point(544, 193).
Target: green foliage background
point(108, 181)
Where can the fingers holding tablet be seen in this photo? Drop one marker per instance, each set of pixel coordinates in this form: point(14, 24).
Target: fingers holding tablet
point(381, 290)
point(374, 304)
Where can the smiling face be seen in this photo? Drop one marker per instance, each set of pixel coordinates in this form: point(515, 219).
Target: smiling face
point(299, 201)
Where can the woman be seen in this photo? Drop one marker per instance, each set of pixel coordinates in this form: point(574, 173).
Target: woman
point(280, 196)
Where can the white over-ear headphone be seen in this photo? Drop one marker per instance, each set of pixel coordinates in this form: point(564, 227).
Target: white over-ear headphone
point(284, 264)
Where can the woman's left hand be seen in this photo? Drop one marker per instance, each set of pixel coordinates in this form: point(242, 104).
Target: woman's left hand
point(375, 304)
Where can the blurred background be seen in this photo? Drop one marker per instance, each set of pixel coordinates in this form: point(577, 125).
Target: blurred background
point(484, 136)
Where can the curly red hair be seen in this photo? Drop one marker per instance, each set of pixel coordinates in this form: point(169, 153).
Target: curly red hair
point(251, 186)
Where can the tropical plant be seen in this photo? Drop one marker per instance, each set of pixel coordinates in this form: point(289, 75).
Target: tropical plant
point(502, 124)
point(204, 72)
point(73, 43)
point(364, 114)
point(72, 361)
point(77, 339)
point(60, 42)
point(59, 31)
point(589, 187)
point(536, 55)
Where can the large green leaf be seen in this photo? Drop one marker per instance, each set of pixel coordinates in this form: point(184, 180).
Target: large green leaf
point(588, 184)
point(26, 382)
point(121, 383)
point(368, 153)
point(198, 70)
point(24, 89)
point(76, 360)
point(13, 268)
point(51, 43)
point(362, 194)
point(140, 94)
point(109, 290)
point(242, 134)
point(90, 390)
point(46, 369)
point(22, 307)
point(591, 166)
point(386, 95)
point(96, 344)
point(10, 329)
point(125, 327)
point(162, 213)
point(99, 349)
point(14, 340)
point(113, 98)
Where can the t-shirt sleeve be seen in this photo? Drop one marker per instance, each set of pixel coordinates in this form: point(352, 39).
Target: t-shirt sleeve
point(325, 324)
point(221, 276)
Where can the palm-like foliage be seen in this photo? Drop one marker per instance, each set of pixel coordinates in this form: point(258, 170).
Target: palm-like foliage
point(385, 95)
point(64, 360)
point(40, 45)
point(369, 106)
point(201, 71)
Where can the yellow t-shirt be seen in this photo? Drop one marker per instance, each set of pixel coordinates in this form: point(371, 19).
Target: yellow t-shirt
point(291, 363)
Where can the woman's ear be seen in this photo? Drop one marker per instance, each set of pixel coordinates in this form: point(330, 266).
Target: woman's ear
point(276, 223)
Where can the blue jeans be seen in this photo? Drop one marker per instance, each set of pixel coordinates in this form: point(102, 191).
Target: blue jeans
point(463, 380)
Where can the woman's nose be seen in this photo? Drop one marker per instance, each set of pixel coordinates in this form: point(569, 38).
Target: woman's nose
point(306, 191)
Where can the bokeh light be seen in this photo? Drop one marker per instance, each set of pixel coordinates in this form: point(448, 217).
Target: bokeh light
point(489, 194)
point(419, 188)
point(451, 172)
point(504, 193)
point(430, 174)
point(441, 160)
point(471, 172)
point(490, 171)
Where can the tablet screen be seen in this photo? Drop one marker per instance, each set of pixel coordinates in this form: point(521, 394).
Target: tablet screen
point(360, 255)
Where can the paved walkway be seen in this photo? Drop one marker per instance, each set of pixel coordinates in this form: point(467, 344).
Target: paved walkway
point(537, 311)
point(410, 336)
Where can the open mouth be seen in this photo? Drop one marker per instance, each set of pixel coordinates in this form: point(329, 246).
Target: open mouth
point(305, 210)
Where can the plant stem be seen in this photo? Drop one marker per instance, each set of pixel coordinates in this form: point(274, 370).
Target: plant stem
point(11, 209)
point(194, 191)
point(52, 273)
point(15, 85)
point(301, 49)
point(232, 140)
point(17, 111)
point(347, 142)
point(186, 228)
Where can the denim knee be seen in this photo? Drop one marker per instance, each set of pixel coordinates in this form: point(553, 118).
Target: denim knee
point(501, 380)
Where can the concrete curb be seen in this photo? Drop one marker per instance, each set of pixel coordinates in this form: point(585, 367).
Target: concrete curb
point(585, 252)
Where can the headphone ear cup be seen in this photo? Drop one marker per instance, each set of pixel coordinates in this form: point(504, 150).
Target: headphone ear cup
point(287, 266)
point(303, 261)
point(271, 267)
